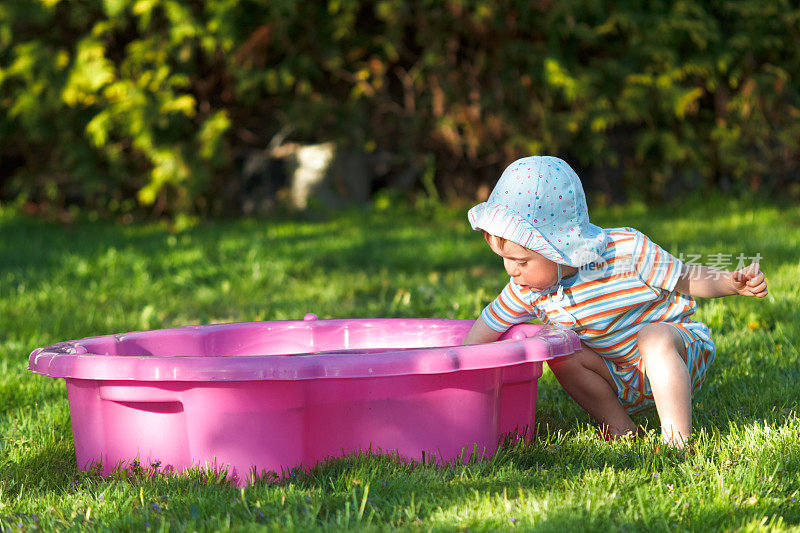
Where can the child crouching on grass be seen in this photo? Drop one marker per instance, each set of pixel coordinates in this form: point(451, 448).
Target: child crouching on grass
point(630, 302)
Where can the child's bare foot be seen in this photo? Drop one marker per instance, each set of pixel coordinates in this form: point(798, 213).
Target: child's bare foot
point(673, 439)
point(665, 447)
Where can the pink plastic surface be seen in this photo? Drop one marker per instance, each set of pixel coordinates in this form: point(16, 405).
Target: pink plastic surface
point(270, 396)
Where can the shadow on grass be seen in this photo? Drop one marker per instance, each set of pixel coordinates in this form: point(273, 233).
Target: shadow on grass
point(48, 469)
point(390, 240)
point(400, 240)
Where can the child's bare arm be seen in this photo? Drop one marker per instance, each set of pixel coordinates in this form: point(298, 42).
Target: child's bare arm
point(481, 333)
point(707, 282)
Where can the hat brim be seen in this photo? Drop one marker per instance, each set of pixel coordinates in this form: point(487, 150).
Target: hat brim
point(504, 222)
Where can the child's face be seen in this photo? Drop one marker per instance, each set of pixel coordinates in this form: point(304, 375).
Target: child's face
point(528, 269)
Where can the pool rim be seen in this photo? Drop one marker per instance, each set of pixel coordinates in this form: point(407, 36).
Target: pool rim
point(522, 343)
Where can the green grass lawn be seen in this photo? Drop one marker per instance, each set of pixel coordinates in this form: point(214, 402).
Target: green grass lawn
point(91, 278)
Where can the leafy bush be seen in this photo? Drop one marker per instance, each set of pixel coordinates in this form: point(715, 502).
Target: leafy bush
point(116, 104)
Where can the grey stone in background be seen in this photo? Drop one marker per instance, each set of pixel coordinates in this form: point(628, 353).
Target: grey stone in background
point(292, 174)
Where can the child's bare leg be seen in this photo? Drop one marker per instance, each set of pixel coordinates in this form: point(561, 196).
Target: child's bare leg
point(586, 378)
point(664, 358)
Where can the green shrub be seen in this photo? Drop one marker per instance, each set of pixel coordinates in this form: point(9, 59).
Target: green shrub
point(115, 104)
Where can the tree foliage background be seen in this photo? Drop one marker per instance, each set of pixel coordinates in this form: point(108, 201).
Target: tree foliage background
point(122, 105)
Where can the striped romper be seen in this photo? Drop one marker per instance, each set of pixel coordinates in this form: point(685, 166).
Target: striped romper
point(607, 302)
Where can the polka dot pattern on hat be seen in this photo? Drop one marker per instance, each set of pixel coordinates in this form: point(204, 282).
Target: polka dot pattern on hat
point(539, 203)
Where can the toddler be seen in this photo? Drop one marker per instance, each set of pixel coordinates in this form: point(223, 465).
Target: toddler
point(630, 302)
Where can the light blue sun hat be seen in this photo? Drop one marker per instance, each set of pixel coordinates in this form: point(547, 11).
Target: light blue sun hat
point(539, 203)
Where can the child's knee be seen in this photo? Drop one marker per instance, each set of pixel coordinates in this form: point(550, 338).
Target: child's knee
point(585, 358)
point(658, 340)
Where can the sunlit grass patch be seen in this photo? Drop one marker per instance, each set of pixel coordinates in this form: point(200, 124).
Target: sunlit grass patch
point(59, 283)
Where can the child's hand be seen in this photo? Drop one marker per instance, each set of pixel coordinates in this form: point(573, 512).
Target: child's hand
point(750, 281)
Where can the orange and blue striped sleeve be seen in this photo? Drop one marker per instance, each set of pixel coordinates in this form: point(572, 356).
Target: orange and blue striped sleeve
point(655, 266)
point(506, 310)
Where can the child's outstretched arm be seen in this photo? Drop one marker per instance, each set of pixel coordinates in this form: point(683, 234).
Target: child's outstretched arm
point(707, 282)
point(481, 333)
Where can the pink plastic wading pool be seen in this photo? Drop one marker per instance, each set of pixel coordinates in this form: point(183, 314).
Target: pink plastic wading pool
point(270, 396)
